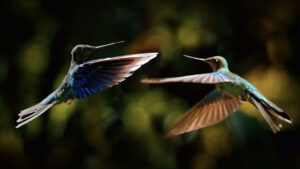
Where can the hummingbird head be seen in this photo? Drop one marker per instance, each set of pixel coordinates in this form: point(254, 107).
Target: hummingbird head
point(81, 52)
point(216, 62)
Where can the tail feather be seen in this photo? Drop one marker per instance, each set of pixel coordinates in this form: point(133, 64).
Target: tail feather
point(273, 122)
point(271, 113)
point(271, 107)
point(31, 113)
point(28, 110)
point(276, 111)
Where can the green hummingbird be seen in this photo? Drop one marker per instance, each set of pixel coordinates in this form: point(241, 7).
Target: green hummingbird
point(231, 90)
point(86, 78)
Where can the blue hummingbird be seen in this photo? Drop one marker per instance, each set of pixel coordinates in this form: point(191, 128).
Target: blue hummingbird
point(86, 78)
point(231, 90)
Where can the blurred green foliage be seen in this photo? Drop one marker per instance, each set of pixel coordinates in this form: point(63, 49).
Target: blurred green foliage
point(123, 127)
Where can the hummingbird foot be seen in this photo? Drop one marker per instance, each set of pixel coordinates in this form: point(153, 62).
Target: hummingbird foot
point(69, 101)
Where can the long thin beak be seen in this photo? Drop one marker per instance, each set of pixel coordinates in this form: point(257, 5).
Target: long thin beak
point(191, 57)
point(110, 44)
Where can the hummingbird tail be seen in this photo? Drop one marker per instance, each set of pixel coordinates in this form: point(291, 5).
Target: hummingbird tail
point(273, 122)
point(29, 114)
point(277, 112)
point(271, 113)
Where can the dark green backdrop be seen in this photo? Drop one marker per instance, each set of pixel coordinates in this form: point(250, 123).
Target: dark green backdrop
point(122, 127)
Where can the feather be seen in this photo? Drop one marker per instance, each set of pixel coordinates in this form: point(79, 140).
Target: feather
point(31, 113)
point(205, 78)
point(212, 109)
point(96, 75)
point(273, 122)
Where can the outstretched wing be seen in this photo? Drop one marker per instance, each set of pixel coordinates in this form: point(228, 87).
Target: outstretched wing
point(206, 78)
point(212, 109)
point(96, 75)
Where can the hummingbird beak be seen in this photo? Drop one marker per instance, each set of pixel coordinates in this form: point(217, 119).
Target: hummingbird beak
point(110, 44)
point(191, 57)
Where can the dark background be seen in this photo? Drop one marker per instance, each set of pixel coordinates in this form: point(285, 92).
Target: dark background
point(122, 127)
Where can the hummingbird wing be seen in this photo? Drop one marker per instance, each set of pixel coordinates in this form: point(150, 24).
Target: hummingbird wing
point(212, 109)
point(205, 78)
point(94, 76)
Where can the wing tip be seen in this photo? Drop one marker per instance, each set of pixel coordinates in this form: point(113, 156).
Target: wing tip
point(174, 131)
point(148, 57)
point(146, 81)
point(170, 133)
point(151, 53)
point(143, 55)
point(142, 58)
point(152, 81)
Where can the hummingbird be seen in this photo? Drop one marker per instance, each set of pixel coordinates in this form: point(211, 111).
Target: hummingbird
point(230, 92)
point(86, 78)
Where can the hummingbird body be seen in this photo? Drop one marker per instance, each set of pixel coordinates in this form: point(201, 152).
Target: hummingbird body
point(231, 90)
point(62, 94)
point(86, 78)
